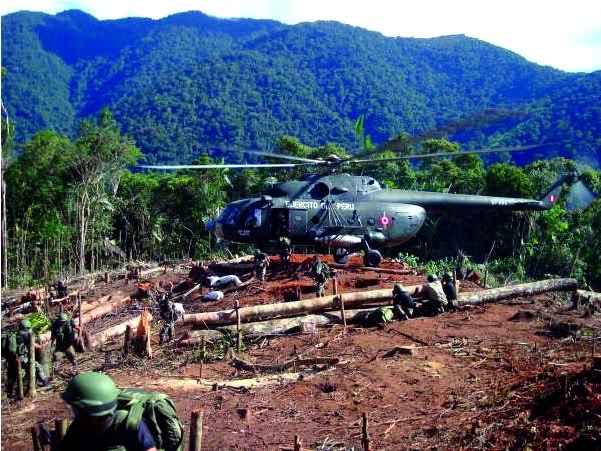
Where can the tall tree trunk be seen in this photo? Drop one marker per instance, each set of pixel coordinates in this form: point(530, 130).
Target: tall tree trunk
point(4, 237)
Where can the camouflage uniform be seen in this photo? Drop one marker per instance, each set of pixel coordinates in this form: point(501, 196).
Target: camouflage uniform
point(64, 335)
point(284, 251)
point(437, 300)
point(261, 264)
point(320, 272)
point(23, 339)
point(168, 316)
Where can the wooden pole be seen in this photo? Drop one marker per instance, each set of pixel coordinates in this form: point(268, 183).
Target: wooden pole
point(60, 428)
point(365, 434)
point(343, 314)
point(79, 307)
point(202, 360)
point(297, 443)
point(20, 394)
point(35, 439)
point(238, 335)
point(127, 340)
point(335, 285)
point(196, 430)
point(31, 392)
point(107, 277)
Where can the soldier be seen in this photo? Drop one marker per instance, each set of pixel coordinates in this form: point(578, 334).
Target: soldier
point(168, 317)
point(403, 305)
point(320, 272)
point(433, 292)
point(284, 251)
point(448, 286)
point(261, 264)
point(64, 336)
point(97, 425)
point(16, 347)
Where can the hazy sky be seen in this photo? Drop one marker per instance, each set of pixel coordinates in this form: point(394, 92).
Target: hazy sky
point(559, 33)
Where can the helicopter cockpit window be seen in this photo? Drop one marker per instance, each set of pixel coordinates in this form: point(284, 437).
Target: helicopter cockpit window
point(253, 218)
point(230, 215)
point(320, 190)
point(369, 184)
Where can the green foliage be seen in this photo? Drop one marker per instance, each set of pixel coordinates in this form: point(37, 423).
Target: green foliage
point(508, 181)
point(410, 260)
point(438, 267)
point(183, 83)
point(215, 351)
point(39, 322)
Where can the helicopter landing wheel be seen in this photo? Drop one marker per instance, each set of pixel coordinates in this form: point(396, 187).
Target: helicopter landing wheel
point(341, 256)
point(372, 258)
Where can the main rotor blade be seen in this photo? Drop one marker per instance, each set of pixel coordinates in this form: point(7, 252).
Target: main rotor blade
point(446, 154)
point(479, 119)
point(228, 166)
point(282, 156)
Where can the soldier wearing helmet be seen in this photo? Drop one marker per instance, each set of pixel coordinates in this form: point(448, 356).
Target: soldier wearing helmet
point(64, 336)
point(93, 399)
point(16, 348)
point(403, 305)
point(450, 291)
point(436, 300)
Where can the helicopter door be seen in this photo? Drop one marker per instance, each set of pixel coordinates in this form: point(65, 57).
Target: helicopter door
point(280, 225)
point(297, 224)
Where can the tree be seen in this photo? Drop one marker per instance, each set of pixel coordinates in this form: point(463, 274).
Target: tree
point(103, 156)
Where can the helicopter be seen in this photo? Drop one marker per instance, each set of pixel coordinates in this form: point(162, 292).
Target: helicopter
point(350, 213)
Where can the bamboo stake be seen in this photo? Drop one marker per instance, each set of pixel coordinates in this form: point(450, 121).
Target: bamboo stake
point(297, 443)
point(196, 430)
point(35, 439)
point(60, 428)
point(20, 394)
point(335, 285)
point(343, 314)
point(238, 339)
point(127, 340)
point(31, 392)
point(202, 360)
point(365, 434)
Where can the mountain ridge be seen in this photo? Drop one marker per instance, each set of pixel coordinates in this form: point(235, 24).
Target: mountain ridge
point(190, 80)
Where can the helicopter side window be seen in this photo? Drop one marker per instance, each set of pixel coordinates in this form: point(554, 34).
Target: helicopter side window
point(230, 215)
point(253, 218)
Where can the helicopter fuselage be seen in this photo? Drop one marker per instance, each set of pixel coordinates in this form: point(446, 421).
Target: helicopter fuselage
point(346, 212)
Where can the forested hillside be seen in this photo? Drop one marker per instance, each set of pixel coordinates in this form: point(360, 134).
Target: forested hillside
point(188, 82)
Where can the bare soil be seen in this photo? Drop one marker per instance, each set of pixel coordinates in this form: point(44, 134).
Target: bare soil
point(512, 375)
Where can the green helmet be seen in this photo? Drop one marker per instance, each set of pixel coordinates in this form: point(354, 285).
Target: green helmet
point(63, 317)
point(93, 393)
point(24, 324)
point(432, 277)
point(397, 287)
point(447, 276)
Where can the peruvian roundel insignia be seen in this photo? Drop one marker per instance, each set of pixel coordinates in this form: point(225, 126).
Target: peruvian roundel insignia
point(384, 220)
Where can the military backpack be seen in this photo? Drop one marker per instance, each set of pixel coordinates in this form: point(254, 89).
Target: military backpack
point(158, 412)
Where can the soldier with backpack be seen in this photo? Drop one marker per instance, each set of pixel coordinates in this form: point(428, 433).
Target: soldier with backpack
point(15, 346)
point(261, 264)
point(320, 272)
point(107, 418)
point(64, 336)
point(168, 316)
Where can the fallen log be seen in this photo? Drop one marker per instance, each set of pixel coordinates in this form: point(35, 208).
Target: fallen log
point(279, 367)
point(582, 297)
point(287, 309)
point(521, 290)
point(103, 309)
point(291, 325)
point(104, 335)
